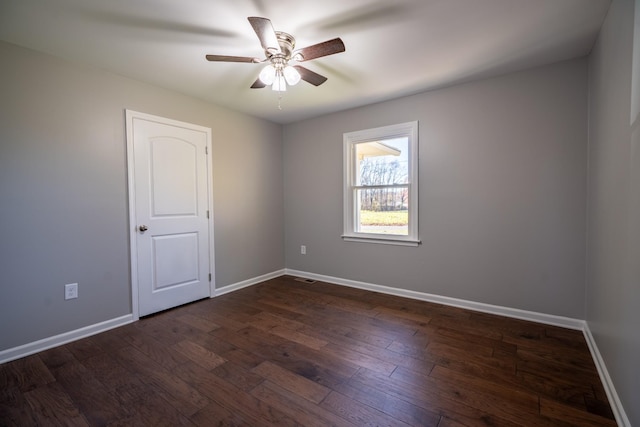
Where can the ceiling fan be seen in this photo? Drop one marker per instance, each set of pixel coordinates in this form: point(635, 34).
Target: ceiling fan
point(279, 51)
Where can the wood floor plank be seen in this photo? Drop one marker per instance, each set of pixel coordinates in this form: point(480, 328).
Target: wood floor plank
point(14, 408)
point(148, 407)
point(180, 394)
point(418, 360)
point(198, 322)
point(402, 316)
point(337, 333)
point(328, 363)
point(215, 414)
point(559, 412)
point(440, 352)
point(553, 371)
point(497, 345)
point(114, 339)
point(568, 392)
point(109, 371)
point(358, 413)
point(57, 357)
point(224, 321)
point(567, 359)
point(291, 353)
point(319, 367)
point(242, 358)
point(448, 422)
point(466, 326)
point(361, 359)
point(366, 337)
point(231, 397)
point(53, 406)
point(159, 352)
point(238, 375)
point(517, 399)
point(298, 337)
point(294, 383)
point(393, 406)
point(198, 354)
point(266, 320)
point(86, 391)
point(424, 393)
point(26, 373)
point(297, 407)
point(83, 349)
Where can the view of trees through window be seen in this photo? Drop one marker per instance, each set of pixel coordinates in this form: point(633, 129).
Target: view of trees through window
point(383, 190)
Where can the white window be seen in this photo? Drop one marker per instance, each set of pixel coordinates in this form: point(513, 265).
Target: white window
point(381, 185)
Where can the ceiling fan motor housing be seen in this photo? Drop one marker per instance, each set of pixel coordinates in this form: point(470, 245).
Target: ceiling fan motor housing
point(287, 43)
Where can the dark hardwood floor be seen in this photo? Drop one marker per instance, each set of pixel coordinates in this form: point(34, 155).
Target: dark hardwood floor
point(289, 353)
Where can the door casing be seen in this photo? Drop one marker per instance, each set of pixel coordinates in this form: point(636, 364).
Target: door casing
point(130, 116)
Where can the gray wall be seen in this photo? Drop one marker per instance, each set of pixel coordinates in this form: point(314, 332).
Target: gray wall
point(613, 278)
point(502, 192)
point(63, 192)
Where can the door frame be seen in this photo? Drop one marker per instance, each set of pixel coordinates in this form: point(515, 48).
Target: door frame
point(133, 232)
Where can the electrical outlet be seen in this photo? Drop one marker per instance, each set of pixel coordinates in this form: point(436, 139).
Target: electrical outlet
point(303, 250)
point(71, 291)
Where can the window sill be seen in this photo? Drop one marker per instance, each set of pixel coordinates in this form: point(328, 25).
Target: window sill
point(381, 240)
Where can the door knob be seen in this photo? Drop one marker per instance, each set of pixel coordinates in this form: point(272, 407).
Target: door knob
point(143, 228)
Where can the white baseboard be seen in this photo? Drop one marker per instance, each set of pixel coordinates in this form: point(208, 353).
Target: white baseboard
point(612, 395)
point(64, 338)
point(549, 319)
point(249, 282)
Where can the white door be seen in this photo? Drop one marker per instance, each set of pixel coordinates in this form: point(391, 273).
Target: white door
point(169, 204)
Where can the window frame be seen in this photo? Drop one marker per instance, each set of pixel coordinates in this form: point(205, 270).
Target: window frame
point(407, 130)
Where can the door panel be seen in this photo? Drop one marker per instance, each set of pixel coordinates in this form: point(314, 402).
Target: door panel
point(175, 260)
point(174, 169)
point(172, 243)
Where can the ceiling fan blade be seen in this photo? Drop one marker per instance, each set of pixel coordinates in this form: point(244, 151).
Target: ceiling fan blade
point(319, 50)
point(258, 84)
point(265, 32)
point(310, 76)
point(226, 58)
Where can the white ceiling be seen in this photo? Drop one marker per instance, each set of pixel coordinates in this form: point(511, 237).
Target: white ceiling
point(393, 47)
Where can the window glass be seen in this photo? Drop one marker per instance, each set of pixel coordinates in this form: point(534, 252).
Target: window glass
point(380, 184)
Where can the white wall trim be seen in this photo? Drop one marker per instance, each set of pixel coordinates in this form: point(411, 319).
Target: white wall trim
point(64, 338)
point(612, 395)
point(549, 319)
point(131, 191)
point(249, 282)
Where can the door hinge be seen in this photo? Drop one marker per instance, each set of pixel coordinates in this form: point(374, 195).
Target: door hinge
point(206, 150)
point(209, 276)
point(207, 214)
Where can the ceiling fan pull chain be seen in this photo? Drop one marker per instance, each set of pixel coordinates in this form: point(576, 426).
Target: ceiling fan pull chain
point(280, 101)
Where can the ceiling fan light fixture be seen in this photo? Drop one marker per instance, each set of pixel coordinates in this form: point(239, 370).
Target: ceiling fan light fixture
point(291, 75)
point(279, 50)
point(279, 84)
point(268, 75)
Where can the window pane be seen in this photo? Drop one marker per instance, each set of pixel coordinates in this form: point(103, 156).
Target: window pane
point(383, 211)
point(380, 185)
point(383, 162)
